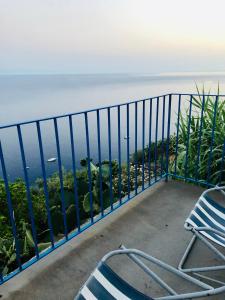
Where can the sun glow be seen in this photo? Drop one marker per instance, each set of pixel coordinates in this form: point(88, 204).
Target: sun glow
point(81, 34)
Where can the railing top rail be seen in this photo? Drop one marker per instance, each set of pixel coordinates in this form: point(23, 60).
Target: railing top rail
point(78, 113)
point(100, 108)
point(201, 95)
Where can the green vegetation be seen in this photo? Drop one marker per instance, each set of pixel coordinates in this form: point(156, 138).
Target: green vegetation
point(21, 212)
point(205, 164)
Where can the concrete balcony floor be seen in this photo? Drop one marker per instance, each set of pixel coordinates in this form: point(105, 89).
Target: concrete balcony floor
point(152, 222)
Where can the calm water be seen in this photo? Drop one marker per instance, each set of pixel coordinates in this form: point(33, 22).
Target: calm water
point(37, 96)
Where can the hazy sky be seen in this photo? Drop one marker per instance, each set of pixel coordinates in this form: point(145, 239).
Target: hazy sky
point(105, 36)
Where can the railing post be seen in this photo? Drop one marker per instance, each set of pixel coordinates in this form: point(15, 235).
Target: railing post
point(45, 182)
point(136, 164)
point(188, 136)
point(163, 146)
point(10, 208)
point(76, 198)
point(222, 163)
point(177, 135)
point(128, 151)
point(168, 137)
point(143, 146)
point(119, 154)
point(156, 137)
point(212, 139)
point(61, 178)
point(150, 142)
point(89, 167)
point(200, 139)
point(30, 205)
point(100, 163)
point(110, 158)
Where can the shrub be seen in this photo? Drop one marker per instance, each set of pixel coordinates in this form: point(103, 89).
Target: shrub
point(207, 164)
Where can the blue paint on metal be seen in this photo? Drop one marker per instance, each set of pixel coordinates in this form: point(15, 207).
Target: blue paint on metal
point(89, 168)
point(143, 145)
point(128, 151)
point(156, 138)
point(100, 162)
point(168, 135)
point(188, 179)
point(76, 199)
point(60, 178)
point(222, 171)
point(110, 158)
point(188, 136)
point(94, 110)
point(132, 191)
point(119, 154)
point(75, 113)
point(10, 208)
point(212, 138)
point(149, 143)
point(200, 138)
point(163, 127)
point(177, 135)
point(70, 236)
point(45, 182)
point(30, 205)
point(136, 163)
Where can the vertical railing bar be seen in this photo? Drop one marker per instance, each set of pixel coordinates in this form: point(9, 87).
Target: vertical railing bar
point(188, 137)
point(150, 143)
point(11, 211)
point(119, 154)
point(30, 205)
point(100, 162)
point(177, 134)
point(168, 136)
point(200, 138)
point(110, 158)
point(60, 177)
point(89, 166)
point(45, 182)
point(74, 168)
point(136, 165)
point(163, 125)
point(222, 163)
point(143, 146)
point(212, 138)
point(156, 138)
point(128, 151)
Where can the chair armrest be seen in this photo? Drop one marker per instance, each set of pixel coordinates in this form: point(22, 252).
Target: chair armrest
point(159, 263)
point(223, 190)
point(209, 229)
point(216, 188)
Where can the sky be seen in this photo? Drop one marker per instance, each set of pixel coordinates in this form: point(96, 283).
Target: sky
point(112, 36)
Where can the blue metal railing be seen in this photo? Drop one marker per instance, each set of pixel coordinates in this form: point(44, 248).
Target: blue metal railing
point(149, 152)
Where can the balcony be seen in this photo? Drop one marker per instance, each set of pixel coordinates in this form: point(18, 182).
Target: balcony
point(153, 222)
point(143, 166)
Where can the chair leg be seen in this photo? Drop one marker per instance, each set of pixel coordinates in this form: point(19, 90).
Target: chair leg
point(186, 253)
point(210, 246)
point(201, 269)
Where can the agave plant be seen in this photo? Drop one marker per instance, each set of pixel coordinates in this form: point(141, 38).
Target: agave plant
point(206, 140)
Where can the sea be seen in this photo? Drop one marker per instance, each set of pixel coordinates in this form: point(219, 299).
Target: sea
point(32, 97)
